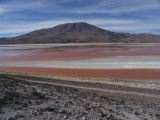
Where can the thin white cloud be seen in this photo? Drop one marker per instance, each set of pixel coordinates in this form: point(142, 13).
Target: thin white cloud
point(121, 6)
point(17, 5)
point(119, 25)
point(25, 27)
point(104, 6)
point(3, 9)
point(139, 27)
point(134, 8)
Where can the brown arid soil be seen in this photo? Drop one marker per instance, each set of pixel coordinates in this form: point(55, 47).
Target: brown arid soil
point(137, 74)
point(28, 100)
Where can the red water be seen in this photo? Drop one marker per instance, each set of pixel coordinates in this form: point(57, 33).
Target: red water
point(84, 52)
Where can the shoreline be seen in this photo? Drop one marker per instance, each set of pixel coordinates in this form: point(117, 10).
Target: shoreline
point(94, 86)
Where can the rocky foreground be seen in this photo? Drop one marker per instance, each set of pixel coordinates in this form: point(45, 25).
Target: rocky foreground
point(22, 100)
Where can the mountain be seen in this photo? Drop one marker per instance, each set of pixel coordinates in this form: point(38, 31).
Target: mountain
point(78, 33)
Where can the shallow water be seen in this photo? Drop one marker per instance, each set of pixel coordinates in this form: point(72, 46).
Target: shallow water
point(116, 56)
point(107, 63)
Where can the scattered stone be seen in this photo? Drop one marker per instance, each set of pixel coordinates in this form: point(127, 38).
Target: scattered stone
point(158, 116)
point(21, 100)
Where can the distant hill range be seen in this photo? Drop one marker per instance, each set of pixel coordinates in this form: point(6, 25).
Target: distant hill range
point(79, 33)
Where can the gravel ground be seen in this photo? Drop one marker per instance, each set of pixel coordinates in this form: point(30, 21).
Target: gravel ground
point(22, 100)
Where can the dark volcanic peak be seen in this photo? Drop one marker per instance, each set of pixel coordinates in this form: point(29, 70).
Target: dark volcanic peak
point(80, 32)
point(76, 27)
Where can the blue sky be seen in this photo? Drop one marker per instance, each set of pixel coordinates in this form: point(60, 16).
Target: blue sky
point(135, 16)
